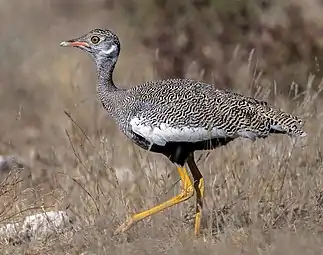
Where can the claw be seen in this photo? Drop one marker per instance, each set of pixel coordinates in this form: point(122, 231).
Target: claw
point(124, 226)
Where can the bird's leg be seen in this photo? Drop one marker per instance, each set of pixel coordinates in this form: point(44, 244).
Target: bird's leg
point(186, 193)
point(199, 188)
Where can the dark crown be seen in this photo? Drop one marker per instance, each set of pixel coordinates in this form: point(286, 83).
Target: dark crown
point(106, 33)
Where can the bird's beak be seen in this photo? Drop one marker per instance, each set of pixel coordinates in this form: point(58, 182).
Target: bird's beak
point(73, 43)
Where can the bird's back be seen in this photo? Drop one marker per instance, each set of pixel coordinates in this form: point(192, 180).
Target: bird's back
point(191, 108)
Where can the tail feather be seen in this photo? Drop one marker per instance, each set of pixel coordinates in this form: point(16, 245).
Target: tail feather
point(282, 122)
point(265, 119)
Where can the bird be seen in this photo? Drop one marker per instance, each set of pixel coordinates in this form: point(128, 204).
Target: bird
point(176, 117)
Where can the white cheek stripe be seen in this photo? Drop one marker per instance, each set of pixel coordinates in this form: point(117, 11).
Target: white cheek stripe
point(164, 133)
point(110, 50)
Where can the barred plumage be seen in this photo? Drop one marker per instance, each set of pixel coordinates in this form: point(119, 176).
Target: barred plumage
point(175, 117)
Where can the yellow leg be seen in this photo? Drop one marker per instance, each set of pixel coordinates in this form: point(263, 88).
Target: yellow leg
point(187, 192)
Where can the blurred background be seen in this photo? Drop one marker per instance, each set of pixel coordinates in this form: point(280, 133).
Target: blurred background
point(270, 49)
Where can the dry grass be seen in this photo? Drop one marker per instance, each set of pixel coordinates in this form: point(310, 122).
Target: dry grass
point(261, 198)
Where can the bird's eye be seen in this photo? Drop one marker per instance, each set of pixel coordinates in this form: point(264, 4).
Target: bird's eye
point(95, 39)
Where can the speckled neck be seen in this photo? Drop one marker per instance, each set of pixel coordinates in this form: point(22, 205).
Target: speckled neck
point(107, 92)
point(105, 68)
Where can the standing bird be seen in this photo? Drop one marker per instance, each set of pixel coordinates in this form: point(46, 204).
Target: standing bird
point(175, 117)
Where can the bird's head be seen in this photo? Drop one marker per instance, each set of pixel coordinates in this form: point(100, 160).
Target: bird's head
point(99, 43)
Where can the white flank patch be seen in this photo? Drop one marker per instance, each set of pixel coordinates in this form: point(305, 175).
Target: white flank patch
point(110, 50)
point(165, 133)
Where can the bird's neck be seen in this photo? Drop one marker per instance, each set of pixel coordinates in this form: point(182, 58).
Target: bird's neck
point(105, 67)
point(106, 90)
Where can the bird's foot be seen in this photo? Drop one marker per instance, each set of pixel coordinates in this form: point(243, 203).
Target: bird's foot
point(124, 226)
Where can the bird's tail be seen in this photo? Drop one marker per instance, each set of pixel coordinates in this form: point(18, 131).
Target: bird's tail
point(282, 122)
point(266, 119)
